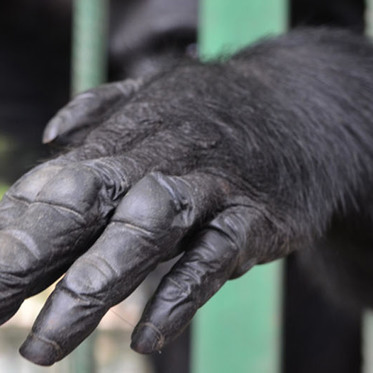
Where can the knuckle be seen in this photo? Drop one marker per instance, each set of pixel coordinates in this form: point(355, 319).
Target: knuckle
point(81, 104)
point(16, 253)
point(90, 277)
point(90, 94)
point(75, 186)
point(255, 234)
point(29, 186)
point(128, 87)
point(217, 256)
point(148, 204)
point(242, 267)
point(179, 286)
point(234, 225)
point(18, 250)
point(108, 92)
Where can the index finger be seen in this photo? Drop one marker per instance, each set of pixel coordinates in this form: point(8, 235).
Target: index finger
point(41, 239)
point(145, 230)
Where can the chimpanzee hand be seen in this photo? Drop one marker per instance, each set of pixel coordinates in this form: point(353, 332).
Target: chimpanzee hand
point(231, 164)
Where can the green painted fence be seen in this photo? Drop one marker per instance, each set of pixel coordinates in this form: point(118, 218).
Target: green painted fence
point(239, 329)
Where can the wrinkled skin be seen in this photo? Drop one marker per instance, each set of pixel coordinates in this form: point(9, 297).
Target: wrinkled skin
point(231, 164)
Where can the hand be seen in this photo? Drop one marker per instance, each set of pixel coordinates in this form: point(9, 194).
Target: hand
point(200, 161)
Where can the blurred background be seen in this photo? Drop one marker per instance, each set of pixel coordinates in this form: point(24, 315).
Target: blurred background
point(270, 321)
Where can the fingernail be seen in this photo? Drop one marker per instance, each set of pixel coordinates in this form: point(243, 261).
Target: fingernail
point(51, 131)
point(147, 338)
point(40, 351)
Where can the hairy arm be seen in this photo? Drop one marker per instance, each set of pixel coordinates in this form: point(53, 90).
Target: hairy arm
point(232, 164)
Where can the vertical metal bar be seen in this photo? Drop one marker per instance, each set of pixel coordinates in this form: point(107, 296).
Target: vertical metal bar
point(369, 17)
point(227, 26)
point(89, 56)
point(239, 329)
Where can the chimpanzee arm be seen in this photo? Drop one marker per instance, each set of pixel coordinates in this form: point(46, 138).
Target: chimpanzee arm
point(233, 164)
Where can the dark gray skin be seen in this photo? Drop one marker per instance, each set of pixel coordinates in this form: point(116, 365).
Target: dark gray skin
point(232, 164)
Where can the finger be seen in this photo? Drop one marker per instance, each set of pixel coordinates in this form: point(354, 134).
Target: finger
point(86, 110)
point(145, 230)
point(55, 227)
point(168, 149)
point(219, 251)
point(17, 199)
point(52, 215)
point(237, 239)
point(71, 210)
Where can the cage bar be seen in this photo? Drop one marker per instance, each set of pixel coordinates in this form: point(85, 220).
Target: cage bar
point(238, 330)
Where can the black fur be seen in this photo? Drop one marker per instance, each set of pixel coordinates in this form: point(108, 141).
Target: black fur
point(286, 122)
point(240, 162)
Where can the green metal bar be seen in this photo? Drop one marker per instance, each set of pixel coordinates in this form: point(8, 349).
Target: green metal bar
point(90, 23)
point(82, 360)
point(226, 26)
point(89, 56)
point(239, 329)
